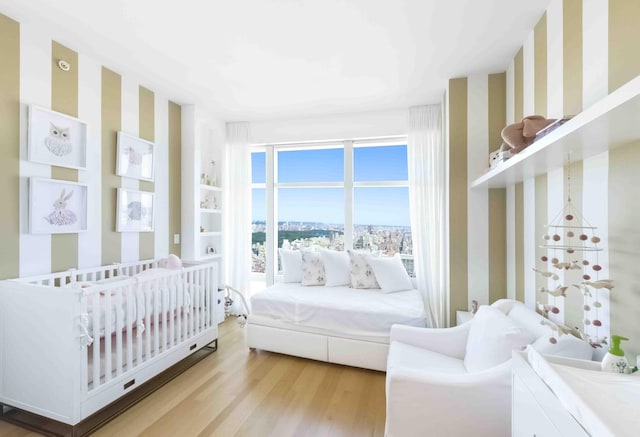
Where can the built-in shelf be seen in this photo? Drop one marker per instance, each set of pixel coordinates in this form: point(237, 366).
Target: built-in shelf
point(210, 234)
point(211, 211)
point(210, 187)
point(212, 256)
point(609, 123)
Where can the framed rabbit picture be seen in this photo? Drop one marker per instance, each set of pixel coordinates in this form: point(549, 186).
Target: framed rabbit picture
point(135, 157)
point(57, 207)
point(57, 139)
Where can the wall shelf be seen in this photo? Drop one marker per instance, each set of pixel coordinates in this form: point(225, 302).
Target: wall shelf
point(212, 256)
point(210, 187)
point(211, 211)
point(210, 234)
point(609, 123)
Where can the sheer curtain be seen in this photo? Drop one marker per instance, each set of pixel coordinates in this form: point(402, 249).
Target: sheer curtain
point(427, 200)
point(237, 205)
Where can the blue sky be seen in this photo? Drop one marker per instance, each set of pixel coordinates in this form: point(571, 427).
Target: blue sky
point(372, 206)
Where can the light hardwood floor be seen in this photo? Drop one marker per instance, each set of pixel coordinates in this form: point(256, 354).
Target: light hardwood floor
point(235, 392)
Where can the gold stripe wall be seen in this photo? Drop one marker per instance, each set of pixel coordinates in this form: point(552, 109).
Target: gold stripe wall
point(146, 131)
point(540, 66)
point(477, 114)
point(572, 53)
point(497, 110)
point(175, 174)
point(10, 146)
point(458, 269)
point(624, 37)
point(582, 51)
point(111, 119)
point(64, 98)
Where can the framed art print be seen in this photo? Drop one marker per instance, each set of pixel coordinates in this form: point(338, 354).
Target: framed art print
point(134, 211)
point(56, 139)
point(57, 207)
point(135, 157)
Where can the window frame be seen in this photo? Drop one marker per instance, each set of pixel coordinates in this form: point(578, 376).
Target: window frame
point(271, 186)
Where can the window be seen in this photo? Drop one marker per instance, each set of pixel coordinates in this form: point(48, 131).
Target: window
point(307, 196)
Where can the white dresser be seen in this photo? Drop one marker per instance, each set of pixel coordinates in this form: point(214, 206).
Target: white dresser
point(554, 396)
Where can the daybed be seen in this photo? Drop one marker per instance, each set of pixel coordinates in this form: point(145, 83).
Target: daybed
point(73, 343)
point(333, 323)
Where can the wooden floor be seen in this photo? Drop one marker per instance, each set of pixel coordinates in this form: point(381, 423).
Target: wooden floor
point(235, 392)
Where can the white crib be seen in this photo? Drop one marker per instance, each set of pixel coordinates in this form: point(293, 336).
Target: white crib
point(72, 344)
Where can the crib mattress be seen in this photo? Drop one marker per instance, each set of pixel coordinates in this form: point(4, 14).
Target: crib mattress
point(344, 310)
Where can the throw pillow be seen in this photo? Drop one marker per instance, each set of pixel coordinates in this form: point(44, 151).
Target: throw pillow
point(312, 269)
point(362, 275)
point(173, 262)
point(567, 346)
point(336, 267)
point(390, 273)
point(291, 261)
point(492, 338)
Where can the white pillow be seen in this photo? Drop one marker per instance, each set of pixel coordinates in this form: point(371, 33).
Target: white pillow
point(312, 269)
point(291, 265)
point(336, 267)
point(362, 275)
point(390, 273)
point(567, 346)
point(492, 338)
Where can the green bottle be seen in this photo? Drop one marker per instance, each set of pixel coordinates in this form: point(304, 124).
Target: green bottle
point(615, 361)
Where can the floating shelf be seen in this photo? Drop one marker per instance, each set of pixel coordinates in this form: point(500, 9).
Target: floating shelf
point(210, 234)
point(210, 187)
point(211, 211)
point(609, 123)
point(213, 256)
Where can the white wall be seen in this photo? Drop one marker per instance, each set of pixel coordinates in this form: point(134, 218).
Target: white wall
point(341, 126)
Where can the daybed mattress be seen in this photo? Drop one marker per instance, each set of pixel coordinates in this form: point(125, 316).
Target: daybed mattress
point(337, 310)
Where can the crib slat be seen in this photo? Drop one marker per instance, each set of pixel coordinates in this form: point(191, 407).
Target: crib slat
point(164, 311)
point(172, 309)
point(179, 308)
point(119, 325)
point(147, 316)
point(156, 319)
point(129, 326)
point(108, 315)
point(95, 305)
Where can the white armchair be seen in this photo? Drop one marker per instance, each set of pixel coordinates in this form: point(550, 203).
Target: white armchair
point(457, 381)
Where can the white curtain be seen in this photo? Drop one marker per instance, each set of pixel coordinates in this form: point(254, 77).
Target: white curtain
point(237, 205)
point(427, 200)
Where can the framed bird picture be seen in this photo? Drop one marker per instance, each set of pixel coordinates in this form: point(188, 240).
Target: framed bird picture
point(134, 212)
point(135, 157)
point(57, 139)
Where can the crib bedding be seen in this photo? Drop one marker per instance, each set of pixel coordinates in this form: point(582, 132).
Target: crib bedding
point(345, 310)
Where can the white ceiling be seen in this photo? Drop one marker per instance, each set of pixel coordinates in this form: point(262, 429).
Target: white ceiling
point(270, 59)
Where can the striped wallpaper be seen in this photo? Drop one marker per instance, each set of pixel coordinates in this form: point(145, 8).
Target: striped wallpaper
point(578, 52)
point(108, 102)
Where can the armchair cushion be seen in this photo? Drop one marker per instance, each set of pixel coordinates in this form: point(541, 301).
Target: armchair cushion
point(492, 338)
point(406, 356)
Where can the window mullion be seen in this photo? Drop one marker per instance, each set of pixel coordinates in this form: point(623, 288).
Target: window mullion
point(348, 195)
point(271, 216)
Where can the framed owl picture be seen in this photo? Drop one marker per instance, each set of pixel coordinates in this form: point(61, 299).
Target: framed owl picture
point(57, 139)
point(135, 157)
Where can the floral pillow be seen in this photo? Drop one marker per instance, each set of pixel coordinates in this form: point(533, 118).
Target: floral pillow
point(312, 269)
point(362, 275)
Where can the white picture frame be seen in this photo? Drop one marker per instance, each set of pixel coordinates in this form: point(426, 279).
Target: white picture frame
point(135, 211)
point(56, 139)
point(57, 206)
point(136, 157)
